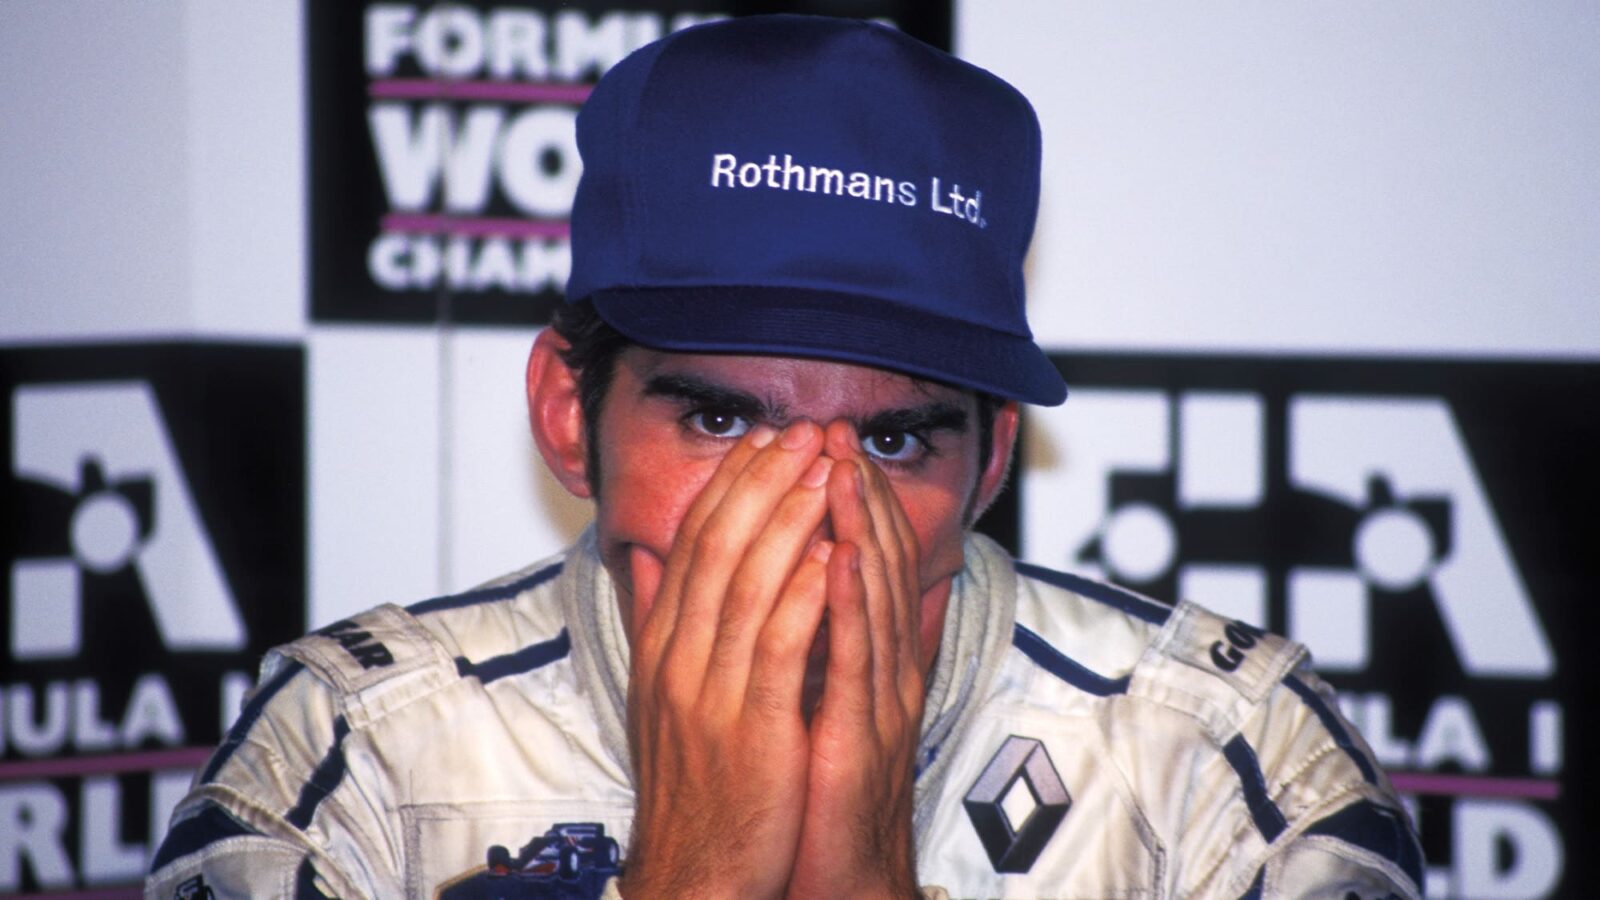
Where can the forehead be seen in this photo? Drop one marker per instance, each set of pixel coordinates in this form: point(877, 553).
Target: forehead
point(794, 387)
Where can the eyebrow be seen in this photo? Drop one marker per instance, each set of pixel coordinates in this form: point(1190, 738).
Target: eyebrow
point(694, 391)
point(690, 390)
point(924, 419)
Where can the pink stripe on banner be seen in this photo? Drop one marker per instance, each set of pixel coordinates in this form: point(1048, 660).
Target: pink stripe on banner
point(503, 91)
point(67, 766)
point(1475, 786)
point(102, 894)
point(476, 227)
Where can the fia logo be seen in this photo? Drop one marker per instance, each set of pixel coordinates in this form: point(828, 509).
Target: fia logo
point(1311, 506)
point(106, 494)
point(152, 507)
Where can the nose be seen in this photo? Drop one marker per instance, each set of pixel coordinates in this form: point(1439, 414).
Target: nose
point(840, 440)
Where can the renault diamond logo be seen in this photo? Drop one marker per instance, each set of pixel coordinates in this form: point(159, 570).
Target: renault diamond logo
point(1017, 804)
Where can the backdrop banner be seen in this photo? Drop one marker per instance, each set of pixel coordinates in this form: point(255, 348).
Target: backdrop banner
point(176, 498)
point(154, 547)
point(1424, 526)
point(443, 162)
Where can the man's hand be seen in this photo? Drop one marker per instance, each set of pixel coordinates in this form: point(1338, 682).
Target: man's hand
point(857, 837)
point(719, 745)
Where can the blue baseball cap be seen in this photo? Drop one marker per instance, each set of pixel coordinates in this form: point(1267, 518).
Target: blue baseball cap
point(816, 187)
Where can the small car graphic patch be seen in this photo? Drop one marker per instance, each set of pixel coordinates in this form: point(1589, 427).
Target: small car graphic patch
point(571, 861)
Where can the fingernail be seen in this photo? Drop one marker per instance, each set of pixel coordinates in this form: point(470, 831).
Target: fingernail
point(861, 484)
point(821, 551)
point(817, 475)
point(796, 436)
point(762, 435)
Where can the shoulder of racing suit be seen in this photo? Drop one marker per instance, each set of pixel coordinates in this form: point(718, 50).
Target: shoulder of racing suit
point(1251, 779)
point(260, 815)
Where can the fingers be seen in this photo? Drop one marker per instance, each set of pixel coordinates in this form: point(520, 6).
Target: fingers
point(867, 513)
point(665, 612)
point(850, 658)
point(890, 526)
point(865, 732)
point(880, 580)
point(767, 566)
point(778, 669)
point(849, 515)
point(738, 545)
point(645, 569)
point(724, 540)
point(897, 541)
point(651, 635)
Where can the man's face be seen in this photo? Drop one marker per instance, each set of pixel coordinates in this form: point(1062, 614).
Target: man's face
point(669, 418)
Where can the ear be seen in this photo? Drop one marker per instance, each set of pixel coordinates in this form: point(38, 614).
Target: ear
point(555, 414)
point(1002, 441)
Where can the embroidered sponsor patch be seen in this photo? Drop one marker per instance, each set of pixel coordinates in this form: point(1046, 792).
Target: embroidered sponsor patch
point(359, 643)
point(193, 889)
point(1017, 804)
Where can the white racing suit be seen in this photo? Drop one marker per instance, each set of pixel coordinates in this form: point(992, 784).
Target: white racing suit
point(1079, 741)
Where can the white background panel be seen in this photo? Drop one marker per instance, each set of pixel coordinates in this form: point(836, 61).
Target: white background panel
point(151, 170)
point(373, 466)
point(92, 179)
point(505, 508)
point(246, 167)
point(1356, 177)
point(424, 478)
point(1399, 178)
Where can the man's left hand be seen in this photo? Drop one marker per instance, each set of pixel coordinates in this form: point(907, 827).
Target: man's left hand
point(856, 840)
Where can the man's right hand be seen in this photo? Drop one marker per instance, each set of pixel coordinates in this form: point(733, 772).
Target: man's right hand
point(720, 748)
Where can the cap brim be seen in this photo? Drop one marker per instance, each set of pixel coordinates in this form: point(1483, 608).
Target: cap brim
point(836, 326)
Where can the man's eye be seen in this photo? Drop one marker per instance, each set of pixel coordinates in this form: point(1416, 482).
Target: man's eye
point(719, 424)
point(893, 446)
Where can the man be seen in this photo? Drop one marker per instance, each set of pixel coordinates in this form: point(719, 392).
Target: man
point(780, 663)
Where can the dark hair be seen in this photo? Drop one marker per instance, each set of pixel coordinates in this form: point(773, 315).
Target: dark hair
point(593, 347)
point(592, 350)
